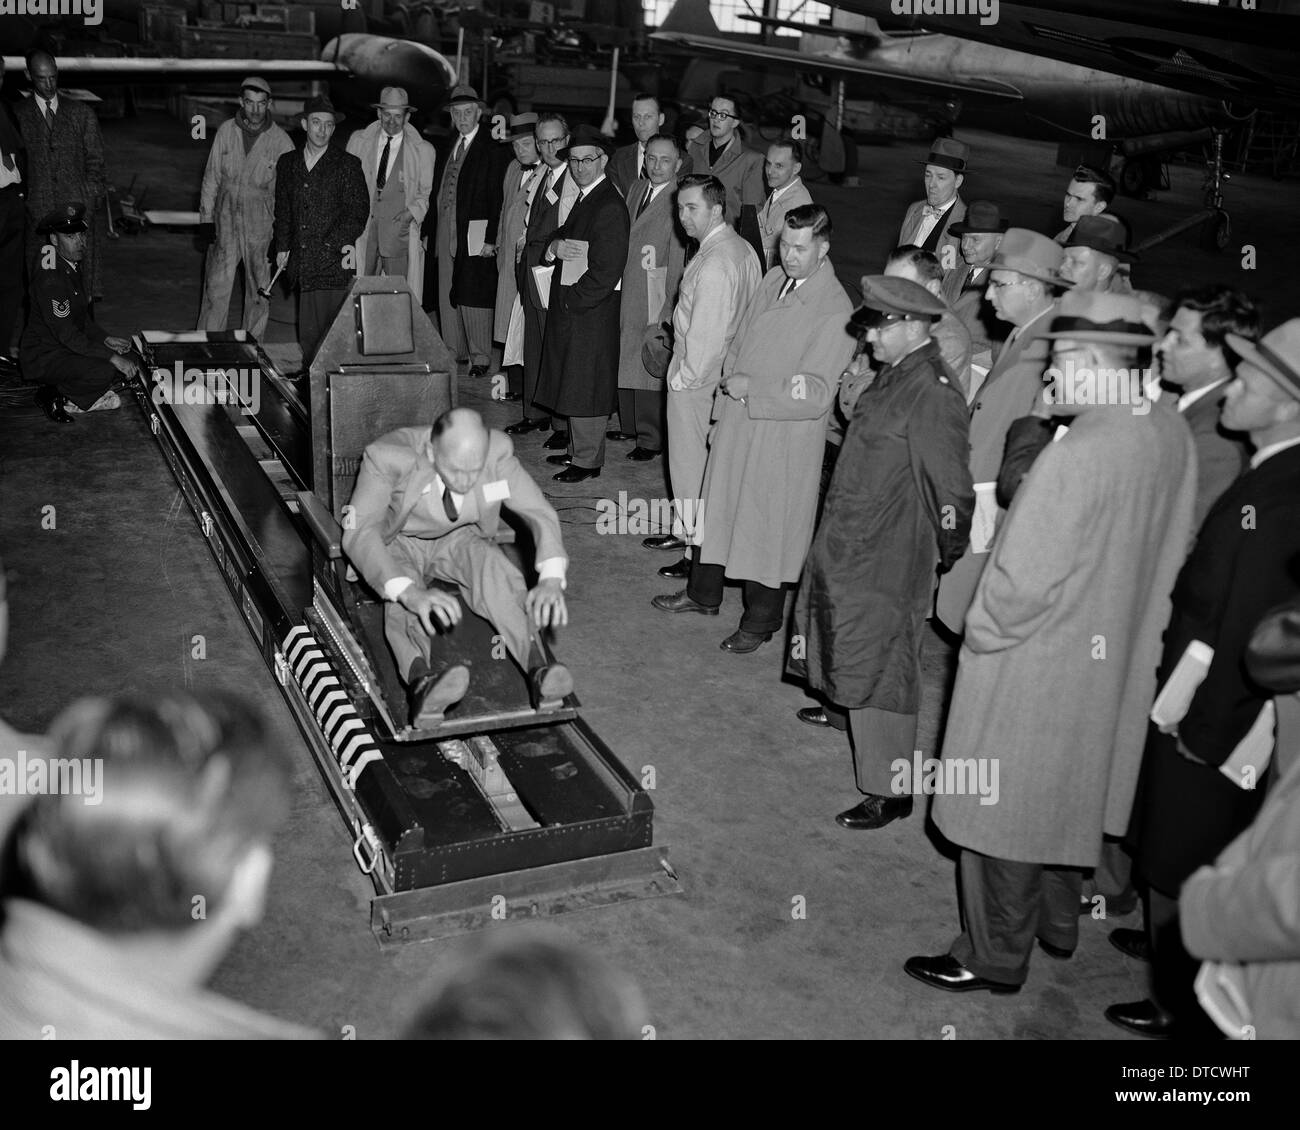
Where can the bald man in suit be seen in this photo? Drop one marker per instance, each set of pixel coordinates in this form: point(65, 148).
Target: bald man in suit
point(426, 507)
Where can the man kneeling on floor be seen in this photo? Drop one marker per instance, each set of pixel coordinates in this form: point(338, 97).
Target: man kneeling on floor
point(426, 506)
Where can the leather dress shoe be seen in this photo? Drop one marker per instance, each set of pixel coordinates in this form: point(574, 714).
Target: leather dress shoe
point(431, 695)
point(550, 685)
point(524, 426)
point(53, 404)
point(1052, 950)
point(560, 460)
point(641, 455)
point(678, 570)
point(875, 812)
point(665, 541)
point(813, 715)
point(1146, 1018)
point(510, 397)
point(1131, 943)
point(945, 972)
point(680, 602)
point(477, 371)
point(617, 435)
point(741, 642)
point(557, 442)
point(573, 474)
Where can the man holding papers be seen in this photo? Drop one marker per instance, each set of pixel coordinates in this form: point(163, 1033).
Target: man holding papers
point(579, 377)
point(1241, 566)
point(1057, 670)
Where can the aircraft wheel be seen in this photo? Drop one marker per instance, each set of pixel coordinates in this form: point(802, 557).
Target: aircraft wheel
point(1216, 232)
point(1134, 177)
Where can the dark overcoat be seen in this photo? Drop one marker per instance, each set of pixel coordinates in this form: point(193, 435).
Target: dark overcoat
point(579, 375)
point(320, 214)
point(480, 189)
point(1241, 566)
point(898, 507)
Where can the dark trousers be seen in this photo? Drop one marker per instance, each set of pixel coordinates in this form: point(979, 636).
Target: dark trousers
point(514, 379)
point(13, 226)
point(641, 413)
point(534, 332)
point(317, 310)
point(1005, 905)
point(764, 607)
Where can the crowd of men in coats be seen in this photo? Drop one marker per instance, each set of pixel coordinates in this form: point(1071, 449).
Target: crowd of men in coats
point(1093, 488)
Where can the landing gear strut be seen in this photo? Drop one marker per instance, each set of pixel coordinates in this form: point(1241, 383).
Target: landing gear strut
point(1213, 218)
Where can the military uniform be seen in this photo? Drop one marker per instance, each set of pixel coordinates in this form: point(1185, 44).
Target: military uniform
point(62, 345)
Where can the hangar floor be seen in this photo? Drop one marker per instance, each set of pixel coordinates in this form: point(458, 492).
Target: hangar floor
point(112, 597)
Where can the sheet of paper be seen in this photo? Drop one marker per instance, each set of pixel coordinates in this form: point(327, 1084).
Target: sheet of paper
point(656, 293)
point(574, 269)
point(1253, 753)
point(542, 280)
point(476, 236)
point(1175, 697)
point(984, 522)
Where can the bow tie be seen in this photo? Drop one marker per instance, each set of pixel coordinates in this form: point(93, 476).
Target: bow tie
point(931, 213)
point(531, 167)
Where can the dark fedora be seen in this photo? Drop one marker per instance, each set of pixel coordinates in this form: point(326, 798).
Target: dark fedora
point(463, 95)
point(587, 135)
point(983, 217)
point(320, 104)
point(1102, 233)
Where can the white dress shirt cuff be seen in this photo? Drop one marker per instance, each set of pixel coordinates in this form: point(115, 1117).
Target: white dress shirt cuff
point(553, 569)
point(398, 585)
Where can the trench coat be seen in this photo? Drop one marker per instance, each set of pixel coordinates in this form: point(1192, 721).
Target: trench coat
point(656, 258)
point(1058, 669)
point(1008, 393)
point(765, 456)
point(416, 170)
point(516, 196)
point(579, 375)
point(898, 507)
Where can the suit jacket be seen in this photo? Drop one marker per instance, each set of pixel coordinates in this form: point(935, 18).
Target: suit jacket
point(771, 217)
point(969, 304)
point(1220, 455)
point(1244, 910)
point(1241, 566)
point(939, 236)
point(319, 213)
point(543, 219)
point(739, 168)
point(397, 476)
point(60, 326)
point(11, 142)
point(656, 257)
point(414, 165)
point(1008, 393)
point(479, 190)
point(579, 375)
point(623, 169)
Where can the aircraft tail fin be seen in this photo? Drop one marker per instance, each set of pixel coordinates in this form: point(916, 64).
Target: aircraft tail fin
point(691, 17)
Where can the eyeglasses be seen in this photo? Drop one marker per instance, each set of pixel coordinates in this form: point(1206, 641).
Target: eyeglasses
point(721, 114)
point(585, 162)
point(551, 142)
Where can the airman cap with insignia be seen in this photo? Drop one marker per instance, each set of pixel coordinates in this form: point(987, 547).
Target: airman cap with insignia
point(887, 298)
point(69, 218)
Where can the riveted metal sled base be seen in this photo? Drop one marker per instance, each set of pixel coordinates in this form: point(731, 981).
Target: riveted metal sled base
point(539, 892)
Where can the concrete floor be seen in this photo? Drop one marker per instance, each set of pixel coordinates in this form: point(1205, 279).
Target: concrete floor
point(111, 598)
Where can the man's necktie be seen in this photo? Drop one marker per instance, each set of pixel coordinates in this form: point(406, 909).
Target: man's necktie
point(932, 213)
point(447, 504)
point(789, 286)
point(645, 201)
point(645, 169)
point(460, 149)
point(48, 114)
point(381, 177)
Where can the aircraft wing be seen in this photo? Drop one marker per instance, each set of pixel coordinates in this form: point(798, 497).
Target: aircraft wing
point(832, 65)
point(177, 70)
point(1231, 53)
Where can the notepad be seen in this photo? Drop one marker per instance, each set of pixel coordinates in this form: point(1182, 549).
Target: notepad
point(542, 280)
point(476, 237)
point(984, 521)
point(574, 269)
point(1175, 697)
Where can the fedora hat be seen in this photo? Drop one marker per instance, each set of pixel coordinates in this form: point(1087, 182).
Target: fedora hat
point(1277, 353)
point(522, 125)
point(1030, 254)
point(1094, 315)
point(948, 153)
point(587, 135)
point(1102, 234)
point(320, 104)
point(392, 98)
point(983, 217)
point(463, 95)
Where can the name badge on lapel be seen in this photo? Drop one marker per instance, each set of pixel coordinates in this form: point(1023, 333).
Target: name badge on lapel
point(551, 195)
point(498, 491)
